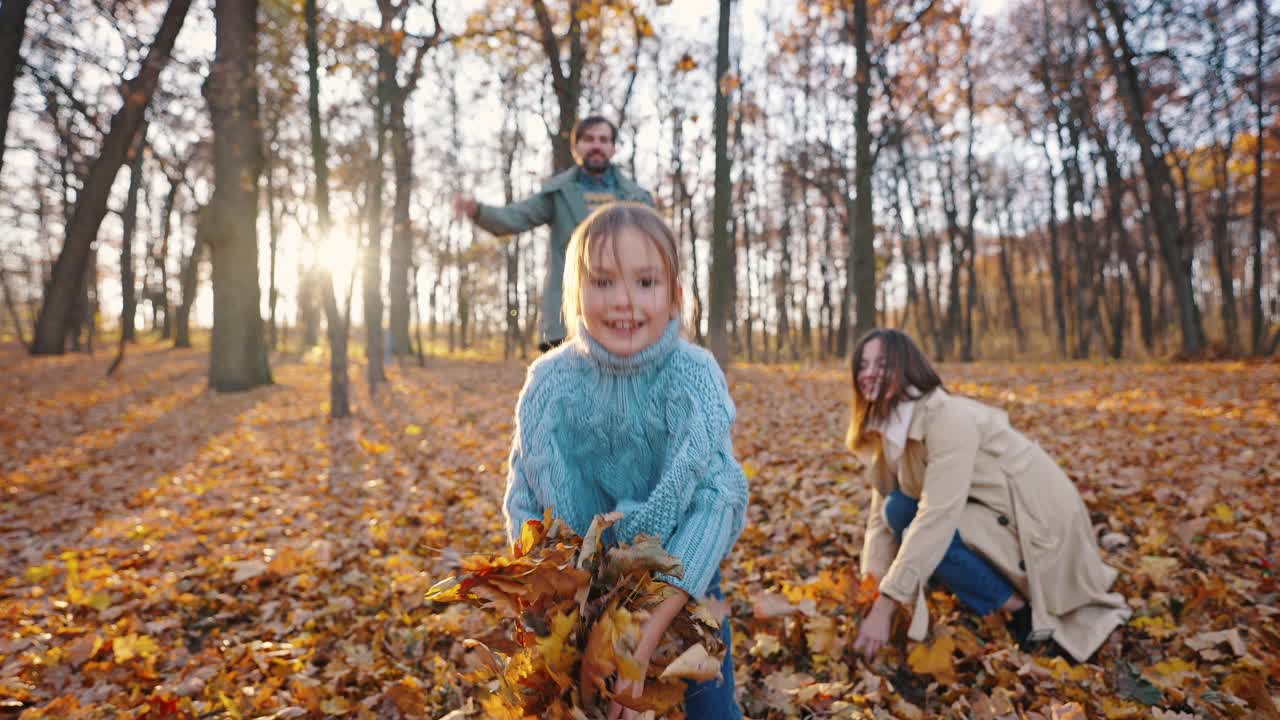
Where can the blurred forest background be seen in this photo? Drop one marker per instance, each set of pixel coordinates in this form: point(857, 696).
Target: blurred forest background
point(1021, 179)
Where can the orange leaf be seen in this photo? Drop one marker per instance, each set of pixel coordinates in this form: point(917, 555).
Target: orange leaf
point(935, 659)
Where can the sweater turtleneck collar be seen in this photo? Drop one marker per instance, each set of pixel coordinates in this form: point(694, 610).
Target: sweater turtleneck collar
point(639, 363)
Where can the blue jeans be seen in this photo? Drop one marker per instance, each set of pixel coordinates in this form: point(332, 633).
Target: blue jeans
point(972, 579)
point(714, 699)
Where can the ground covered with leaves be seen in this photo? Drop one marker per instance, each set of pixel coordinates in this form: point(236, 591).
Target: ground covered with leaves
point(173, 553)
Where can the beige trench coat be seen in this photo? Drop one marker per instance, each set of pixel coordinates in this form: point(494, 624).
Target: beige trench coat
point(1012, 505)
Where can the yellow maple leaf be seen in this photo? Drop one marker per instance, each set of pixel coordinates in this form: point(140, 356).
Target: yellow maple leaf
point(495, 707)
point(412, 430)
point(558, 653)
point(1117, 709)
point(373, 447)
point(1223, 514)
point(1158, 627)
point(38, 573)
point(935, 659)
point(1171, 673)
point(133, 645)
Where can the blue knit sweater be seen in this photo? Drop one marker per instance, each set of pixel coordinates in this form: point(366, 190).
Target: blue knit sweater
point(647, 435)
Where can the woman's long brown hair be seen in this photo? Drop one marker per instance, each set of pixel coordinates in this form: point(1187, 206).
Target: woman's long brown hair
point(907, 375)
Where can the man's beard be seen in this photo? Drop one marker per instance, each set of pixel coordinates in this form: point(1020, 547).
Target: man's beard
point(595, 163)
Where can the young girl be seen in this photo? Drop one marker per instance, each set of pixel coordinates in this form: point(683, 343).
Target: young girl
point(960, 496)
point(626, 415)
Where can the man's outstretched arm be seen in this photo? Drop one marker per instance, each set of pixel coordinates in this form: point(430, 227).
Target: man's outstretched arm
point(509, 220)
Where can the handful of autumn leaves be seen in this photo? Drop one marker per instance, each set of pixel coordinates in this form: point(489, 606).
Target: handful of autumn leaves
point(576, 609)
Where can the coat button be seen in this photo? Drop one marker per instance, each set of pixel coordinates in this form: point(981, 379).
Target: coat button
point(1003, 519)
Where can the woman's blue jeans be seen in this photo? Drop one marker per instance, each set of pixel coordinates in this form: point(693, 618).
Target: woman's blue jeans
point(972, 579)
point(714, 699)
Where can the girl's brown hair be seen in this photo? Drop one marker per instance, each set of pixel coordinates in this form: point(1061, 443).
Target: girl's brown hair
point(600, 232)
point(907, 375)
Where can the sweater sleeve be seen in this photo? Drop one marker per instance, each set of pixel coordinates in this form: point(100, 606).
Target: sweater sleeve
point(698, 505)
point(951, 450)
point(533, 455)
point(516, 217)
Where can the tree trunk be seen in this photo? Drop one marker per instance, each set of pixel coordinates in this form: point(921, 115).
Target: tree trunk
point(401, 254)
point(1257, 320)
point(91, 202)
point(970, 229)
point(1056, 271)
point(187, 281)
point(337, 326)
point(13, 22)
point(1124, 242)
point(372, 275)
point(748, 336)
point(12, 307)
point(238, 352)
point(1224, 253)
point(782, 274)
point(1010, 290)
point(1174, 248)
point(862, 234)
point(273, 240)
point(129, 224)
point(400, 258)
point(566, 79)
point(166, 228)
point(722, 255)
point(512, 141)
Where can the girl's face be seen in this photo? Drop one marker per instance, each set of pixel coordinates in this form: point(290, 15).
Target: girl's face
point(626, 299)
point(871, 372)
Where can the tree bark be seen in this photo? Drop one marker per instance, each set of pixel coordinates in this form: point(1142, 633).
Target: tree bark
point(91, 202)
point(12, 307)
point(273, 237)
point(375, 339)
point(566, 77)
point(722, 260)
point(1174, 248)
point(129, 224)
point(166, 227)
point(336, 325)
point(238, 352)
point(862, 235)
point(970, 229)
point(1257, 324)
point(187, 281)
point(13, 22)
point(400, 257)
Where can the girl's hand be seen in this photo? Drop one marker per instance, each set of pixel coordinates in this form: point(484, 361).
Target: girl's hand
point(626, 688)
point(874, 632)
point(650, 635)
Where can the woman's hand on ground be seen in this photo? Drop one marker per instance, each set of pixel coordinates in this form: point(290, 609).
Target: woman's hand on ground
point(873, 634)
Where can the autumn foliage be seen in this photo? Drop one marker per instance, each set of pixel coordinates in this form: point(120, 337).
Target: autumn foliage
point(576, 608)
point(174, 553)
